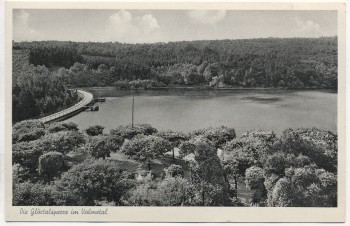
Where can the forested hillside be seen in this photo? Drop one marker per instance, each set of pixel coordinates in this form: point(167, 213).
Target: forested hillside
point(35, 90)
point(272, 62)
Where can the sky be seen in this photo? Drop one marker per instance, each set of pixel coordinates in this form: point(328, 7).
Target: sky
point(147, 26)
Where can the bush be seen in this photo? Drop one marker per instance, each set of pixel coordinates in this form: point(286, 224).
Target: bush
point(62, 126)
point(27, 130)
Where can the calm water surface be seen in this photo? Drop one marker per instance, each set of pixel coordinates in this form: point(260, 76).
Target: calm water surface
point(187, 110)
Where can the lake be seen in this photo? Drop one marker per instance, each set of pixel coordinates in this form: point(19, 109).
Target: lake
point(187, 110)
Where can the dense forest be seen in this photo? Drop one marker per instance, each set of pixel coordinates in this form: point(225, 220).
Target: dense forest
point(59, 164)
point(35, 90)
point(293, 63)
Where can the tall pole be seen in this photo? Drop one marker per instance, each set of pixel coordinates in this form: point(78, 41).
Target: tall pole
point(132, 109)
point(133, 101)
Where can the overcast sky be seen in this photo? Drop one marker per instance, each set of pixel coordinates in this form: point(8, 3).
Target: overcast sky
point(140, 26)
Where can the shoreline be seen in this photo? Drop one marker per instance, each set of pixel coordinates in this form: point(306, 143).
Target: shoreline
point(204, 88)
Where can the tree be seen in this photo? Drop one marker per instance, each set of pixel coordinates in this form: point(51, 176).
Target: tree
point(282, 195)
point(278, 162)
point(33, 194)
point(217, 135)
point(24, 106)
point(254, 180)
point(281, 83)
point(187, 148)
point(305, 187)
point(102, 68)
point(319, 145)
point(94, 181)
point(144, 148)
point(94, 130)
point(63, 142)
point(208, 74)
point(252, 82)
point(267, 138)
point(202, 67)
point(128, 132)
point(27, 155)
point(292, 173)
point(175, 138)
point(174, 171)
point(206, 173)
point(102, 146)
point(242, 153)
point(231, 171)
point(171, 191)
point(51, 164)
point(38, 91)
point(212, 70)
point(175, 191)
point(19, 174)
point(190, 75)
point(251, 149)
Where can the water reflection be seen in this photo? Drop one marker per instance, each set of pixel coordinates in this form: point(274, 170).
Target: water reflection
point(263, 99)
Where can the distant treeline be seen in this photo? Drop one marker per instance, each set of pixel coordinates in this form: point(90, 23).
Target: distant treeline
point(271, 62)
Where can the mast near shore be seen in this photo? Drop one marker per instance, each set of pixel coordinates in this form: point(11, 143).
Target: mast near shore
point(132, 108)
point(133, 103)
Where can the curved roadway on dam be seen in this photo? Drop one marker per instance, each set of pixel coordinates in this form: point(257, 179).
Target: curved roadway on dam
point(87, 99)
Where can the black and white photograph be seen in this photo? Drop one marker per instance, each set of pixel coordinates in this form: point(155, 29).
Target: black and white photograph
point(126, 107)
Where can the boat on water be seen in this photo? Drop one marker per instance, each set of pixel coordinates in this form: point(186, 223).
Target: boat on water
point(92, 108)
point(100, 99)
point(95, 108)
